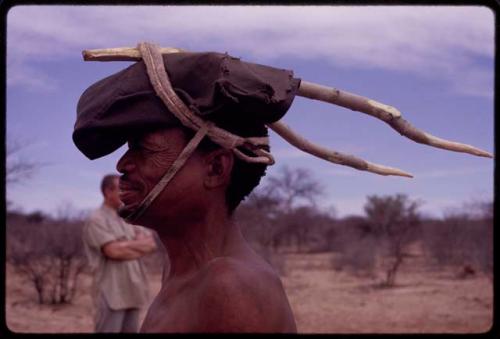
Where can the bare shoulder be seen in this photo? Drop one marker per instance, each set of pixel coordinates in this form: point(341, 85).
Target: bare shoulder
point(243, 296)
point(240, 277)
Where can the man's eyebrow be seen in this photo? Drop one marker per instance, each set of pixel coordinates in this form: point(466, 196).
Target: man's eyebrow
point(153, 143)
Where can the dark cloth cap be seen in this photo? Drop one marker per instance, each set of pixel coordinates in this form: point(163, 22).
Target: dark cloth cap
point(238, 96)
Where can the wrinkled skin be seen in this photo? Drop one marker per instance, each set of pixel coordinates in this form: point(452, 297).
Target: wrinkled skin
point(215, 282)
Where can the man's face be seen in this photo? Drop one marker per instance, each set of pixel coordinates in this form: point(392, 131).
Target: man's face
point(112, 195)
point(148, 158)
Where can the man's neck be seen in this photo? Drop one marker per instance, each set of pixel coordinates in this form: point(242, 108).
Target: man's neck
point(109, 205)
point(198, 242)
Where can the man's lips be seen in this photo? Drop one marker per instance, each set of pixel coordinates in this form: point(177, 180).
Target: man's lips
point(127, 192)
point(126, 210)
point(126, 186)
point(127, 196)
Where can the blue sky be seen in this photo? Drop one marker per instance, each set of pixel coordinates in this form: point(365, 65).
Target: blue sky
point(434, 63)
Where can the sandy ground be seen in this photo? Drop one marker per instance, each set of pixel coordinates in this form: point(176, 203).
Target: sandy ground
point(323, 301)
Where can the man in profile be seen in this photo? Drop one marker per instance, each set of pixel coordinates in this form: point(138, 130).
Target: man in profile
point(114, 249)
point(186, 182)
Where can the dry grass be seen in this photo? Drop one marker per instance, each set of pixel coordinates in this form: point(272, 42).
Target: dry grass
point(424, 301)
point(323, 300)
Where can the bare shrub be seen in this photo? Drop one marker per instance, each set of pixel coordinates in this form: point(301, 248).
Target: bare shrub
point(359, 258)
point(357, 247)
point(49, 253)
point(462, 240)
point(304, 229)
point(257, 217)
point(282, 214)
point(396, 222)
point(27, 253)
point(66, 252)
point(18, 168)
point(290, 198)
point(390, 225)
point(293, 187)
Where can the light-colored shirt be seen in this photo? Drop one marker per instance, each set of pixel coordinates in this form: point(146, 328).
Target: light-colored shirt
point(123, 283)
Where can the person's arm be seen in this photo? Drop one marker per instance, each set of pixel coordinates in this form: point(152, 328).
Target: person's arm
point(129, 249)
point(144, 233)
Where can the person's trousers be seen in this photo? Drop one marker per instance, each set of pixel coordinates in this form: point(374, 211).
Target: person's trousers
point(115, 321)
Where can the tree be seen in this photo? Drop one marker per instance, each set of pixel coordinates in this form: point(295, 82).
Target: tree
point(257, 217)
point(27, 250)
point(295, 193)
point(17, 167)
point(357, 246)
point(66, 251)
point(395, 220)
point(293, 186)
point(270, 215)
point(48, 252)
point(305, 228)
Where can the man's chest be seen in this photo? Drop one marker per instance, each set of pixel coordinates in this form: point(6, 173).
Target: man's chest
point(118, 227)
point(171, 313)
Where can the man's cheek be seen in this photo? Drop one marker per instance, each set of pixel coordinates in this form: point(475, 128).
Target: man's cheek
point(161, 162)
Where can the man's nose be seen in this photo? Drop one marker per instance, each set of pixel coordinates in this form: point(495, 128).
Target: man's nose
point(125, 163)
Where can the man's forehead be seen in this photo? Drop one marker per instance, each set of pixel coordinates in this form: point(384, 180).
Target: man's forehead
point(163, 135)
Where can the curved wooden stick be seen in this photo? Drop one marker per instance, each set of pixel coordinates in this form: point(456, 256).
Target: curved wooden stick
point(386, 113)
point(330, 155)
point(121, 53)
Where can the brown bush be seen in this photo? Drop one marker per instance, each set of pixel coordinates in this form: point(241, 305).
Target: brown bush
point(49, 253)
point(461, 240)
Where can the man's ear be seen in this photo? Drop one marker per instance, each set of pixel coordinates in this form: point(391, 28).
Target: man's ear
point(219, 166)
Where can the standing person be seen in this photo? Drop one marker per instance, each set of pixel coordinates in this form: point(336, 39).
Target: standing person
point(215, 281)
point(114, 249)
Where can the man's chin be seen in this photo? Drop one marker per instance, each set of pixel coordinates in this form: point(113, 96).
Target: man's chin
point(126, 211)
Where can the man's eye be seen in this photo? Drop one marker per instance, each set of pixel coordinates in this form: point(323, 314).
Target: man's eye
point(142, 147)
point(148, 150)
point(136, 147)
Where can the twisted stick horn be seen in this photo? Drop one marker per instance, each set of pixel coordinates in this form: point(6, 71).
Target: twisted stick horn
point(330, 155)
point(386, 113)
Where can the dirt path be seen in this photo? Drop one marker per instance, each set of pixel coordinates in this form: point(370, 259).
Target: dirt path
point(323, 300)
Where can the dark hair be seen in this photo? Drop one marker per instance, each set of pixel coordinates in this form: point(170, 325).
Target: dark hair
point(108, 182)
point(245, 176)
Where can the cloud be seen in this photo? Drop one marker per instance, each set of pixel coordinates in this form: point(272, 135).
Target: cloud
point(476, 82)
point(22, 74)
point(433, 41)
